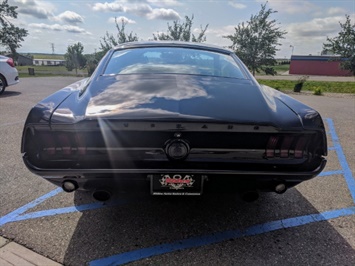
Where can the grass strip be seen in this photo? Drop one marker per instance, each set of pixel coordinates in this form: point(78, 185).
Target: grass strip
point(310, 85)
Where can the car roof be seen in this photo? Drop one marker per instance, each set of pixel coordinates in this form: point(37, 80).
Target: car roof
point(197, 45)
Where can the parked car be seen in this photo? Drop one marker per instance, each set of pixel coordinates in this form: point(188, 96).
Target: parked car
point(182, 117)
point(8, 73)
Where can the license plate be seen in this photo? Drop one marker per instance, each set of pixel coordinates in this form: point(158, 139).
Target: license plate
point(176, 185)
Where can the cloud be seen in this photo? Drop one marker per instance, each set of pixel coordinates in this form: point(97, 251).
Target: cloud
point(41, 10)
point(317, 27)
point(236, 5)
point(159, 3)
point(164, 14)
point(108, 7)
point(70, 17)
point(121, 18)
point(58, 27)
point(336, 11)
point(165, 2)
point(140, 8)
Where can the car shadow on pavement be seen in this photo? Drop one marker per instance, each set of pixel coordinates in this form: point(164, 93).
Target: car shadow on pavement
point(143, 222)
point(6, 94)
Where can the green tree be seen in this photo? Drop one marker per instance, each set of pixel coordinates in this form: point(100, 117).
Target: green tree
point(10, 35)
point(74, 58)
point(344, 45)
point(92, 61)
point(256, 41)
point(181, 31)
point(109, 40)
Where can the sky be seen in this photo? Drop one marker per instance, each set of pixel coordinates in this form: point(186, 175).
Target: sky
point(53, 25)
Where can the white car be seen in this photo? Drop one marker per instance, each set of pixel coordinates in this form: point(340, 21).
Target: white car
point(8, 73)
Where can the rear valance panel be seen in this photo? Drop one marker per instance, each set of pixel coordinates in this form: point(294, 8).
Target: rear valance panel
point(102, 148)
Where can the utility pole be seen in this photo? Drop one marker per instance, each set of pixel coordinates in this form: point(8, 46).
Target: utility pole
point(292, 49)
point(52, 45)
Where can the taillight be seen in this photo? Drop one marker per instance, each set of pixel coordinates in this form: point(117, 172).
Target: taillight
point(10, 62)
point(271, 146)
point(63, 144)
point(286, 146)
point(300, 145)
point(49, 143)
point(80, 141)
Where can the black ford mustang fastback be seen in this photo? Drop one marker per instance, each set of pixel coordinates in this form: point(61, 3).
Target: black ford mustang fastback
point(180, 117)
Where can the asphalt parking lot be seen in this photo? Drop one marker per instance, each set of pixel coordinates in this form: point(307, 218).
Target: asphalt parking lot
point(312, 224)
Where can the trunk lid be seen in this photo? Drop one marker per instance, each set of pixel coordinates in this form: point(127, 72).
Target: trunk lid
point(178, 98)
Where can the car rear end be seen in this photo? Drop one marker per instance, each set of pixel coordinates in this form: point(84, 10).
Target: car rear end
point(8, 73)
point(106, 153)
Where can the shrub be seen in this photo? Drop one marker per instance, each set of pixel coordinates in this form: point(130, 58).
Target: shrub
point(317, 91)
point(299, 84)
point(270, 71)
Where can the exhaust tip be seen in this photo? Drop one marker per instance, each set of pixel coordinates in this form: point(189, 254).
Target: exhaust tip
point(69, 186)
point(250, 196)
point(280, 188)
point(101, 195)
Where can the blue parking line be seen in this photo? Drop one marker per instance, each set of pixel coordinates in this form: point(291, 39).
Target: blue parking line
point(220, 237)
point(12, 215)
point(342, 159)
point(71, 209)
point(336, 172)
point(17, 215)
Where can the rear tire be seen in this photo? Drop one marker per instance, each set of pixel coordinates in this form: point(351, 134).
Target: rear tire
point(2, 84)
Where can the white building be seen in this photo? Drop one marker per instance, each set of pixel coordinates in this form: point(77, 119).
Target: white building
point(48, 62)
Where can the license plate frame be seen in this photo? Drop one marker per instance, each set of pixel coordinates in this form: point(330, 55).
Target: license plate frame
point(173, 184)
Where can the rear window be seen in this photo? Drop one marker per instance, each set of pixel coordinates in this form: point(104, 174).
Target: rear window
point(173, 60)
